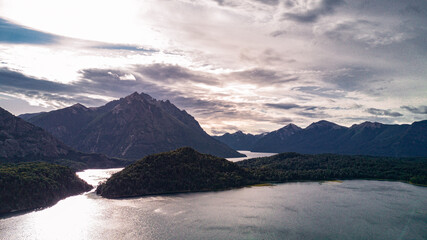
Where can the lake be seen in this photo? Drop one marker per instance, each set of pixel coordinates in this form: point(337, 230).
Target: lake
point(357, 209)
point(249, 155)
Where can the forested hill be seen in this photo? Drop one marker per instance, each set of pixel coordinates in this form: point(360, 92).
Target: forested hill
point(182, 170)
point(34, 185)
point(294, 167)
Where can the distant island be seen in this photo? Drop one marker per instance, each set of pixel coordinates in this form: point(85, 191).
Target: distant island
point(186, 170)
point(28, 186)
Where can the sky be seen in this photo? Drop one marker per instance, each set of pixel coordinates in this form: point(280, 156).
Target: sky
point(250, 65)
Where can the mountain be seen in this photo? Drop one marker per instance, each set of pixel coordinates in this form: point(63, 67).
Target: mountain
point(131, 128)
point(239, 140)
point(21, 141)
point(182, 170)
point(360, 139)
point(296, 167)
point(276, 139)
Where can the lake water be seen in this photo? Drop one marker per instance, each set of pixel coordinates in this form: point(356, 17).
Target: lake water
point(250, 154)
point(357, 209)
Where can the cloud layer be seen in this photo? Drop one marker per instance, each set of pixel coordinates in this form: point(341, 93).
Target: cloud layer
point(247, 65)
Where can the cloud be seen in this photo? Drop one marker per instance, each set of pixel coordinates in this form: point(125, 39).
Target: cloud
point(128, 47)
point(314, 91)
point(382, 112)
point(269, 2)
point(173, 73)
point(278, 33)
point(17, 34)
point(282, 120)
point(365, 31)
point(416, 110)
point(303, 11)
point(15, 80)
point(282, 105)
point(312, 114)
point(261, 76)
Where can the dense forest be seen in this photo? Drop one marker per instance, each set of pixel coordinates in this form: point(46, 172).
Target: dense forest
point(182, 170)
point(34, 185)
point(185, 170)
point(294, 167)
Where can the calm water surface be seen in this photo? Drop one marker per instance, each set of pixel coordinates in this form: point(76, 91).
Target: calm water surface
point(250, 154)
point(306, 210)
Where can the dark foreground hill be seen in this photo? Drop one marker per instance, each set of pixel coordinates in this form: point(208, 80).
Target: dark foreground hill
point(29, 186)
point(182, 170)
point(131, 128)
point(296, 167)
point(367, 138)
point(185, 170)
point(21, 141)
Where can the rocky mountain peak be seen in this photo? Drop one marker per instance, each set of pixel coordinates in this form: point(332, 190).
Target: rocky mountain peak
point(324, 124)
point(367, 124)
point(132, 127)
point(76, 108)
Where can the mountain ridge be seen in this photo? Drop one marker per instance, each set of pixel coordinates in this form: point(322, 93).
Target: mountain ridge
point(21, 141)
point(130, 127)
point(366, 138)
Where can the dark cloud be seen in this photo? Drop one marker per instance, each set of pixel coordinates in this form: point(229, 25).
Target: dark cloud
point(268, 57)
point(325, 7)
point(358, 78)
point(368, 32)
point(263, 76)
point(15, 80)
point(282, 105)
point(173, 73)
point(93, 82)
point(278, 33)
point(233, 4)
point(313, 114)
point(282, 120)
point(17, 34)
point(416, 110)
point(268, 2)
point(320, 91)
point(382, 112)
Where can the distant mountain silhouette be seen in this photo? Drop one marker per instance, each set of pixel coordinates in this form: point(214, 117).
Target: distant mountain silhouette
point(367, 138)
point(131, 128)
point(239, 140)
point(21, 141)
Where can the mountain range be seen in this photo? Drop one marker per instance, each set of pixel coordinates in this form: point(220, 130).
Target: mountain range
point(21, 141)
point(130, 128)
point(368, 138)
point(239, 140)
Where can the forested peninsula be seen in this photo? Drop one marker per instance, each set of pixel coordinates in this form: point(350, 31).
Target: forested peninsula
point(27, 186)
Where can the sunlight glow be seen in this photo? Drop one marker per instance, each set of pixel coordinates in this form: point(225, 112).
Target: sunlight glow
point(97, 20)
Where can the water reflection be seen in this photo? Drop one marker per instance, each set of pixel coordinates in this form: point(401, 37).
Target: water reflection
point(308, 210)
point(250, 154)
